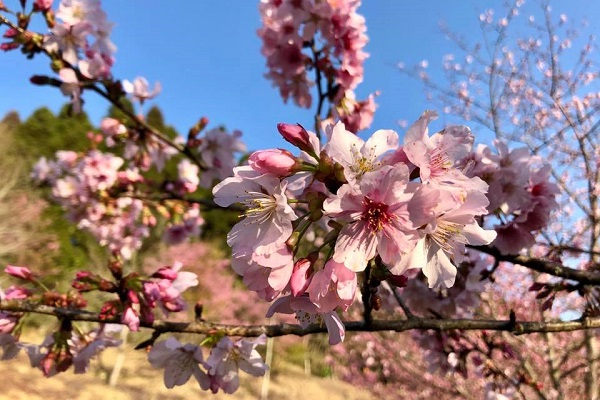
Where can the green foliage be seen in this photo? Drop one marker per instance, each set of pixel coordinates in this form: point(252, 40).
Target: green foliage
point(154, 118)
point(43, 133)
point(11, 121)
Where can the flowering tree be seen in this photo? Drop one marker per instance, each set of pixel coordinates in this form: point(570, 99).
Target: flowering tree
point(426, 234)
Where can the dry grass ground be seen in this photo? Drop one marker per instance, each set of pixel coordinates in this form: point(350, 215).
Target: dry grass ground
point(138, 380)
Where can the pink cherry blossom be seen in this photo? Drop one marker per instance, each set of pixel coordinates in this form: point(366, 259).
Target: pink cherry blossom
point(332, 287)
point(179, 361)
point(227, 357)
point(140, 89)
point(308, 313)
point(377, 218)
point(442, 245)
point(357, 156)
point(86, 347)
point(69, 39)
point(438, 155)
point(218, 149)
point(269, 274)
point(268, 217)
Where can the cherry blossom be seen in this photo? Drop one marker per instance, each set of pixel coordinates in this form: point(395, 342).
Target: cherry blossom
point(377, 218)
point(357, 156)
point(268, 222)
point(179, 361)
point(139, 89)
point(443, 239)
point(227, 357)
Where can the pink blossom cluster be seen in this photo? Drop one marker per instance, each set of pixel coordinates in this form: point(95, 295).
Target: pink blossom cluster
point(334, 33)
point(58, 352)
point(141, 149)
point(81, 39)
point(520, 193)
point(81, 184)
point(106, 194)
point(217, 149)
point(382, 206)
point(139, 296)
point(80, 21)
point(164, 290)
point(459, 301)
point(219, 371)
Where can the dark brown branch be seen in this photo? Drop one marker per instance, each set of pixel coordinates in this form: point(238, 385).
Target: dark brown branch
point(207, 328)
point(544, 266)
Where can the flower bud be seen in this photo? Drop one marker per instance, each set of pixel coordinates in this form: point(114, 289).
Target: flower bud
point(165, 273)
point(301, 276)
point(296, 135)
point(9, 47)
point(274, 161)
point(19, 272)
point(42, 5)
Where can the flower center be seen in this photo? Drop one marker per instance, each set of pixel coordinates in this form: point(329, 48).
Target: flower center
point(446, 233)
point(363, 164)
point(375, 214)
point(260, 206)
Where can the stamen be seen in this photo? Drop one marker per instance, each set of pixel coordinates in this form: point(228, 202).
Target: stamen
point(376, 215)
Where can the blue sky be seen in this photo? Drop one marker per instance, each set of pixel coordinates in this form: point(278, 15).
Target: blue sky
point(206, 54)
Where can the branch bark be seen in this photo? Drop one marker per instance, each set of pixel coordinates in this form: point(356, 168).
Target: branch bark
point(544, 266)
point(275, 330)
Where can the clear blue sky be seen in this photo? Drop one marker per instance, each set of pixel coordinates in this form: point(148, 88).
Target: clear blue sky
point(206, 54)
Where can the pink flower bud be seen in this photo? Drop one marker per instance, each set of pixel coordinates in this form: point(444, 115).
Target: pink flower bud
point(42, 5)
point(83, 275)
point(7, 322)
point(9, 47)
point(133, 297)
point(131, 319)
point(19, 272)
point(275, 161)
point(17, 293)
point(296, 135)
point(10, 33)
point(165, 273)
point(301, 277)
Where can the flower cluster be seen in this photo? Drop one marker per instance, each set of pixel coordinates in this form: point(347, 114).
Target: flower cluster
point(382, 206)
point(69, 39)
point(81, 184)
point(520, 192)
point(460, 301)
point(139, 296)
point(335, 34)
point(219, 371)
point(60, 351)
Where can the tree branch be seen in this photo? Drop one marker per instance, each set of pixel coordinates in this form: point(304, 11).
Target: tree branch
point(209, 328)
point(544, 266)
